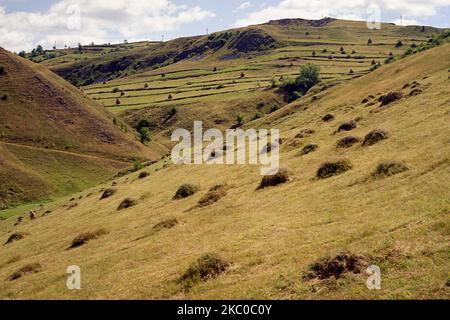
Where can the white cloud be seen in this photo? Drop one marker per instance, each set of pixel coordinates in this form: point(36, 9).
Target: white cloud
point(344, 9)
point(244, 5)
point(99, 21)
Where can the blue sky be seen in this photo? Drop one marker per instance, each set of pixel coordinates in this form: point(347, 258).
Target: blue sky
point(26, 23)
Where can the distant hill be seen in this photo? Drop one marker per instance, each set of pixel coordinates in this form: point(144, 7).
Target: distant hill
point(98, 63)
point(53, 138)
point(218, 77)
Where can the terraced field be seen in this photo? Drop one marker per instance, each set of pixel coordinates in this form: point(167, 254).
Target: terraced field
point(245, 75)
point(192, 85)
point(68, 56)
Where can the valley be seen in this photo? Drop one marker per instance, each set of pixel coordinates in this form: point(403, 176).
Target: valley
point(364, 155)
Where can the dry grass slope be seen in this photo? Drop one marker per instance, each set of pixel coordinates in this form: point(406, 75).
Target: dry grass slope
point(266, 240)
point(53, 139)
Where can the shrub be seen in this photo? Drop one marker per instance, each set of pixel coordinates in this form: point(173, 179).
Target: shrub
point(185, 191)
point(389, 60)
point(126, 203)
point(309, 77)
point(274, 108)
point(347, 126)
point(347, 142)
point(258, 115)
point(391, 97)
point(143, 123)
point(328, 117)
point(4, 97)
point(389, 168)
point(137, 166)
point(172, 112)
point(143, 175)
point(308, 149)
point(108, 193)
point(16, 236)
point(83, 238)
point(337, 266)
point(329, 169)
point(207, 267)
point(282, 176)
point(305, 133)
point(27, 269)
point(145, 135)
point(214, 194)
point(399, 44)
point(166, 224)
point(239, 119)
point(374, 137)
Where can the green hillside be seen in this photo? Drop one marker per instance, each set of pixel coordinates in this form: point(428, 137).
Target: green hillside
point(55, 140)
point(373, 190)
point(229, 73)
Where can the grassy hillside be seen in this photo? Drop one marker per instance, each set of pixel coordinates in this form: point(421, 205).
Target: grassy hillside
point(271, 243)
point(98, 63)
point(29, 174)
point(41, 109)
point(233, 72)
point(55, 140)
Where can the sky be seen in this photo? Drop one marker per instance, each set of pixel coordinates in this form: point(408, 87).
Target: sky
point(26, 23)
